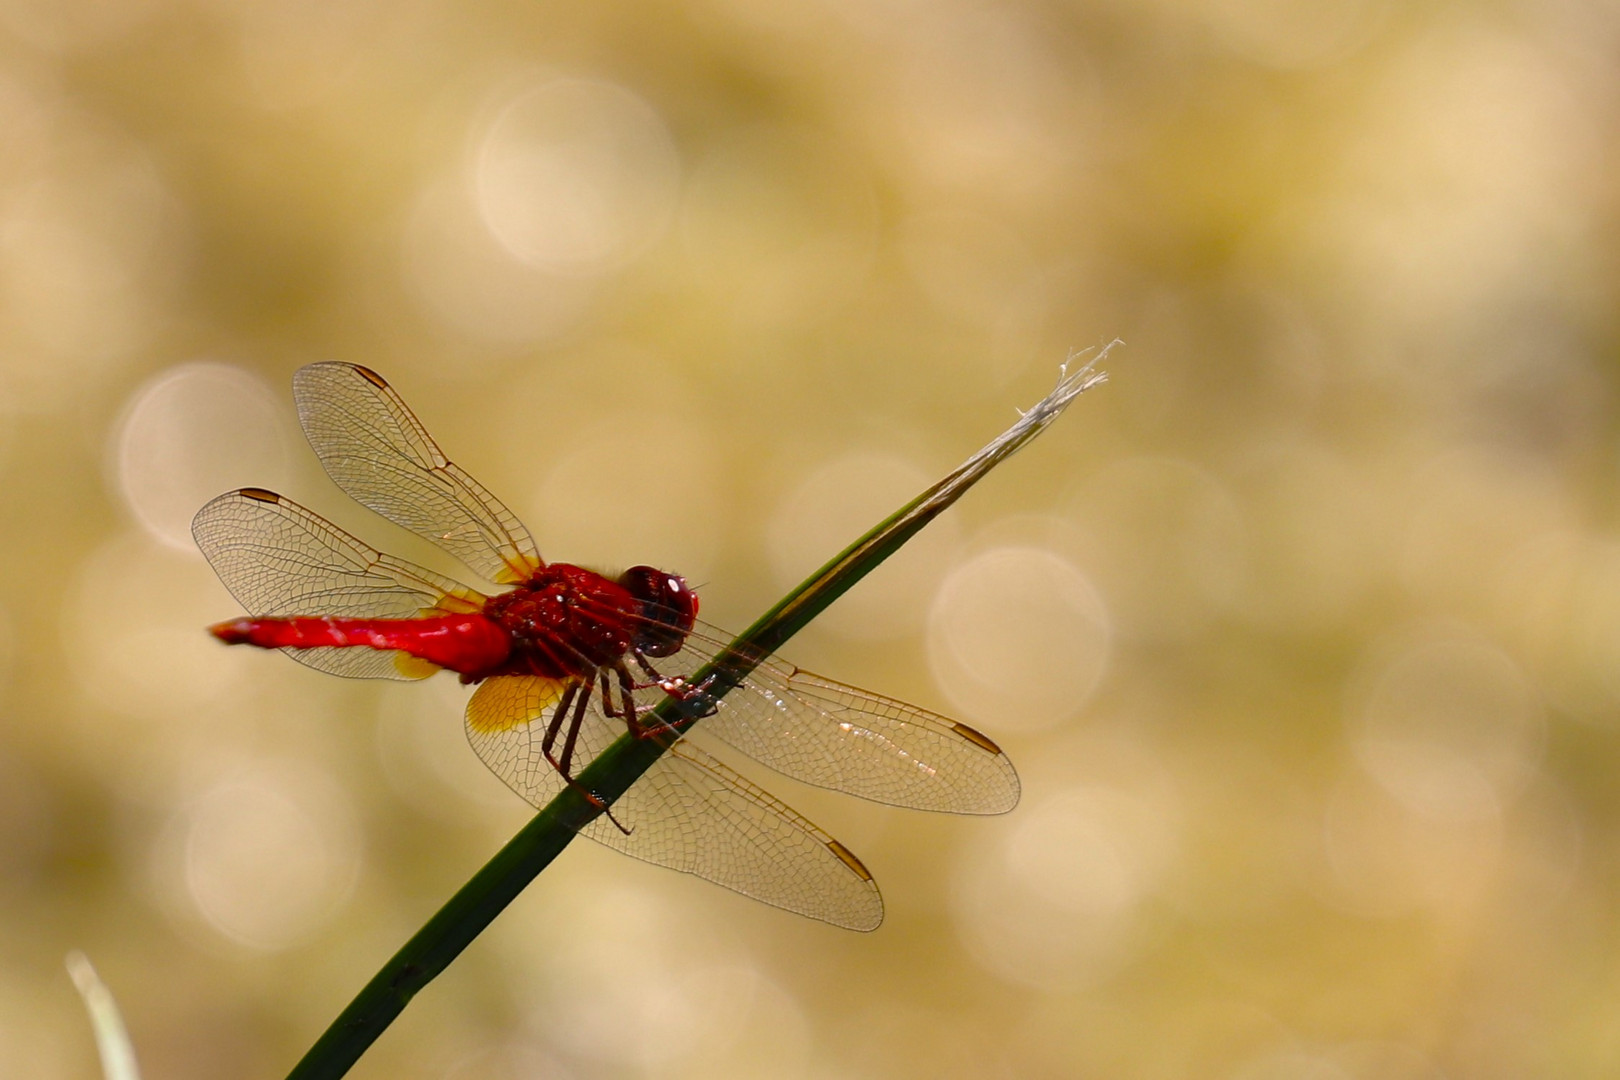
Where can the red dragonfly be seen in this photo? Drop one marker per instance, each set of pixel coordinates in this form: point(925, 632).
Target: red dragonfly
point(567, 659)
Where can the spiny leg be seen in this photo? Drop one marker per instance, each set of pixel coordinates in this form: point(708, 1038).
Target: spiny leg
point(627, 693)
point(676, 687)
point(626, 710)
point(557, 718)
point(575, 721)
point(652, 672)
point(573, 696)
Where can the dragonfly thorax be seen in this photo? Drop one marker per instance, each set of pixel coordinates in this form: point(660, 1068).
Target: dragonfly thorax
point(565, 620)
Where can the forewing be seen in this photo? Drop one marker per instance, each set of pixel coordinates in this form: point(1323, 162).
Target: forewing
point(278, 558)
point(835, 736)
point(375, 449)
point(688, 812)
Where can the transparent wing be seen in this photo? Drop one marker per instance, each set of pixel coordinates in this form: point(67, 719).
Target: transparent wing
point(278, 558)
point(688, 812)
point(692, 813)
point(835, 736)
point(381, 456)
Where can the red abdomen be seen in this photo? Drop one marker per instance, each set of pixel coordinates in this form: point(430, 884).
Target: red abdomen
point(470, 644)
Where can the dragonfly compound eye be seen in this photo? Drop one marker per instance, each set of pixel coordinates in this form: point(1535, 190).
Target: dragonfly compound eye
point(668, 609)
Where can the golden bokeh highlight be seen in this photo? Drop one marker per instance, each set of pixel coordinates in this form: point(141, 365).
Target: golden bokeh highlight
point(264, 858)
point(1018, 639)
point(1053, 898)
point(192, 433)
point(473, 287)
point(576, 176)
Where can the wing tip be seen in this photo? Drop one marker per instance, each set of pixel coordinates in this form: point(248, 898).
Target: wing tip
point(1003, 797)
point(863, 918)
point(370, 376)
point(865, 927)
point(1009, 796)
point(849, 859)
point(870, 916)
point(205, 522)
point(1008, 804)
point(976, 737)
point(316, 370)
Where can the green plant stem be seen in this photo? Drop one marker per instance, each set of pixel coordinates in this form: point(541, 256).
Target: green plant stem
point(499, 882)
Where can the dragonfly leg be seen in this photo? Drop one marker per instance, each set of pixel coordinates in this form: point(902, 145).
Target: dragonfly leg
point(640, 730)
point(673, 686)
point(575, 720)
point(626, 709)
point(557, 717)
point(572, 708)
point(676, 687)
point(655, 680)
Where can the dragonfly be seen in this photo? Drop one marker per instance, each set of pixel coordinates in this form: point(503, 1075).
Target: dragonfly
point(565, 660)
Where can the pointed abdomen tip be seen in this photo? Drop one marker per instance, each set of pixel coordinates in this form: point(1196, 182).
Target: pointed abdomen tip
point(234, 632)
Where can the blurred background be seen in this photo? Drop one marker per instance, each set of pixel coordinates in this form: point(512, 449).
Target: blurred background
point(1304, 630)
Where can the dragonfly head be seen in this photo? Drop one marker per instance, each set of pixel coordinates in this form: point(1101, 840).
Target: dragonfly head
point(668, 609)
